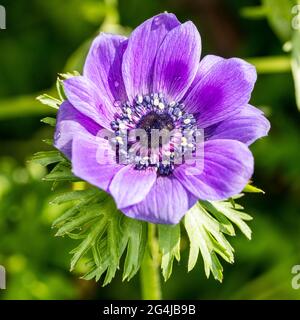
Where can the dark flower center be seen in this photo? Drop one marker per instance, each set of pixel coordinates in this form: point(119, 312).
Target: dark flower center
point(157, 121)
point(153, 113)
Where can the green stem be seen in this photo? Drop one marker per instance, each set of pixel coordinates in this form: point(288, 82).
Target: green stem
point(150, 273)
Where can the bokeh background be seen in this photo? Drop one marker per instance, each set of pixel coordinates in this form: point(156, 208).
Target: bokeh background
point(46, 37)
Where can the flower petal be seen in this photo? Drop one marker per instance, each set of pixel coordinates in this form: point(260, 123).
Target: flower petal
point(228, 166)
point(139, 57)
point(86, 98)
point(203, 68)
point(225, 88)
point(93, 160)
point(177, 61)
point(103, 66)
point(70, 123)
point(247, 126)
point(166, 203)
point(130, 186)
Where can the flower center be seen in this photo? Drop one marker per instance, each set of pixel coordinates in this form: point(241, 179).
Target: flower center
point(153, 114)
point(156, 121)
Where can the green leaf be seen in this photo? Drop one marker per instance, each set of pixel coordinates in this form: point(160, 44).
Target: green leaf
point(49, 142)
point(234, 215)
point(198, 240)
point(87, 243)
point(252, 189)
point(50, 121)
point(225, 225)
point(92, 213)
point(49, 101)
point(169, 244)
point(45, 158)
point(61, 172)
point(68, 75)
point(113, 245)
point(135, 233)
point(60, 89)
point(74, 195)
point(206, 225)
point(85, 201)
point(105, 234)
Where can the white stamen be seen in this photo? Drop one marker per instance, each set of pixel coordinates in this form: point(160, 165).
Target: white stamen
point(161, 106)
point(120, 140)
point(156, 102)
point(183, 141)
point(140, 98)
point(122, 126)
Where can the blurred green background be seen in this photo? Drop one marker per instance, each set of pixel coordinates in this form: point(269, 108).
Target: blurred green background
point(46, 37)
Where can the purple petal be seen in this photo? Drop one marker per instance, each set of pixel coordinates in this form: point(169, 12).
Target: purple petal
point(139, 57)
point(88, 99)
point(203, 68)
point(93, 160)
point(247, 126)
point(167, 202)
point(103, 66)
point(225, 88)
point(70, 123)
point(130, 186)
point(177, 61)
point(228, 166)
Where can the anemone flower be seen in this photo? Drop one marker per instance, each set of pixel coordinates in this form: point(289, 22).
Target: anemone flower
point(155, 80)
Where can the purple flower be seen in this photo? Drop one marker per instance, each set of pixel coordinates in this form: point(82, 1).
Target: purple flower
point(155, 80)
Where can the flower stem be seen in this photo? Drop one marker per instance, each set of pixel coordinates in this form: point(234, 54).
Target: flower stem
point(149, 274)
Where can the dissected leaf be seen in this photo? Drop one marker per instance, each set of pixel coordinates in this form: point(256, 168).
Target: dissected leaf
point(45, 158)
point(49, 101)
point(234, 215)
point(75, 195)
point(205, 236)
point(225, 225)
point(135, 233)
point(50, 121)
point(60, 89)
point(169, 244)
point(61, 172)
